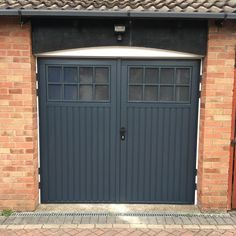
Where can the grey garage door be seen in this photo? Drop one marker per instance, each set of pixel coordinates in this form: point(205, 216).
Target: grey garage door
point(118, 131)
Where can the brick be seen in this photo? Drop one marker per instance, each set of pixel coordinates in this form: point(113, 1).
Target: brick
point(18, 114)
point(215, 118)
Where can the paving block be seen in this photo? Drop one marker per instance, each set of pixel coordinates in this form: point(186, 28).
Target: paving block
point(150, 226)
point(121, 226)
point(86, 226)
point(3, 226)
point(103, 226)
point(208, 227)
point(68, 226)
point(138, 226)
point(51, 226)
point(173, 226)
point(191, 227)
point(15, 227)
point(225, 227)
point(38, 226)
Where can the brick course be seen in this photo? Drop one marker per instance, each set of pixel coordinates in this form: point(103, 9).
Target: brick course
point(18, 118)
point(216, 115)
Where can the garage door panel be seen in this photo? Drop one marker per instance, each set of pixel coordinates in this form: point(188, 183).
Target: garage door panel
point(83, 106)
point(78, 153)
point(75, 130)
point(159, 110)
point(157, 154)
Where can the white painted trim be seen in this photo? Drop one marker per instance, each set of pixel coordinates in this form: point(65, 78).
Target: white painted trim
point(119, 52)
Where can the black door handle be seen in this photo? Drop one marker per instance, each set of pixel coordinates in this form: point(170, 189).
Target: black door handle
point(122, 133)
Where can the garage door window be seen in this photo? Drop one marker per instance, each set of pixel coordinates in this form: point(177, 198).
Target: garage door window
point(73, 83)
point(159, 84)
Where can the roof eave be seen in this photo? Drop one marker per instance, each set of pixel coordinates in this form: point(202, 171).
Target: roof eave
point(125, 14)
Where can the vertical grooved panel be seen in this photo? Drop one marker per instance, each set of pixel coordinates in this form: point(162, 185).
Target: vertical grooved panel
point(85, 159)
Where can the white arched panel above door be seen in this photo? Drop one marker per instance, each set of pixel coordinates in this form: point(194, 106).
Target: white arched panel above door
point(119, 52)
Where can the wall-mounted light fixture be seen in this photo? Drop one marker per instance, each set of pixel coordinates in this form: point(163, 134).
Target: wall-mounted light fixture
point(119, 31)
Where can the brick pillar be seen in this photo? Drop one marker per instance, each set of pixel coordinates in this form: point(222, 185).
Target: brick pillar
point(216, 115)
point(18, 118)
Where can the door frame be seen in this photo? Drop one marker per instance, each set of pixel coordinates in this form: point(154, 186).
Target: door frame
point(232, 168)
point(119, 53)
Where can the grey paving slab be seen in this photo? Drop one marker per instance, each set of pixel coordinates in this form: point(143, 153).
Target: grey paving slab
point(160, 220)
point(129, 219)
point(111, 220)
point(211, 220)
point(229, 221)
point(143, 220)
point(177, 220)
point(56, 219)
point(233, 218)
point(2, 219)
point(220, 221)
point(18, 220)
point(77, 220)
point(152, 220)
point(52, 220)
point(186, 220)
point(169, 220)
point(43, 220)
point(94, 219)
point(194, 220)
point(33, 220)
point(102, 220)
point(28, 220)
point(68, 220)
point(121, 220)
point(202, 220)
point(85, 220)
point(9, 220)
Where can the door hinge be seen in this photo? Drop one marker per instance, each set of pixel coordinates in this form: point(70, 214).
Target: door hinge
point(39, 185)
point(233, 142)
point(199, 93)
point(39, 171)
point(37, 77)
point(195, 172)
point(37, 92)
point(195, 186)
point(200, 78)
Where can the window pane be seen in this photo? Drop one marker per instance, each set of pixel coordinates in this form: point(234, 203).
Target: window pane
point(70, 92)
point(54, 92)
point(86, 74)
point(151, 93)
point(182, 94)
point(102, 93)
point(167, 76)
point(151, 75)
point(54, 74)
point(135, 93)
point(86, 92)
point(136, 75)
point(101, 75)
point(166, 93)
point(70, 74)
point(182, 76)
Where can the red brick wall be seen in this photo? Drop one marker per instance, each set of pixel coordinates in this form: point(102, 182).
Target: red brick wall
point(215, 121)
point(18, 118)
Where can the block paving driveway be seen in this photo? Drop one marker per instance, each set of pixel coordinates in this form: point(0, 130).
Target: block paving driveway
point(122, 232)
point(133, 225)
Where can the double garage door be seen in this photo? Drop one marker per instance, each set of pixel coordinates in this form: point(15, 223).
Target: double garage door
point(118, 130)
